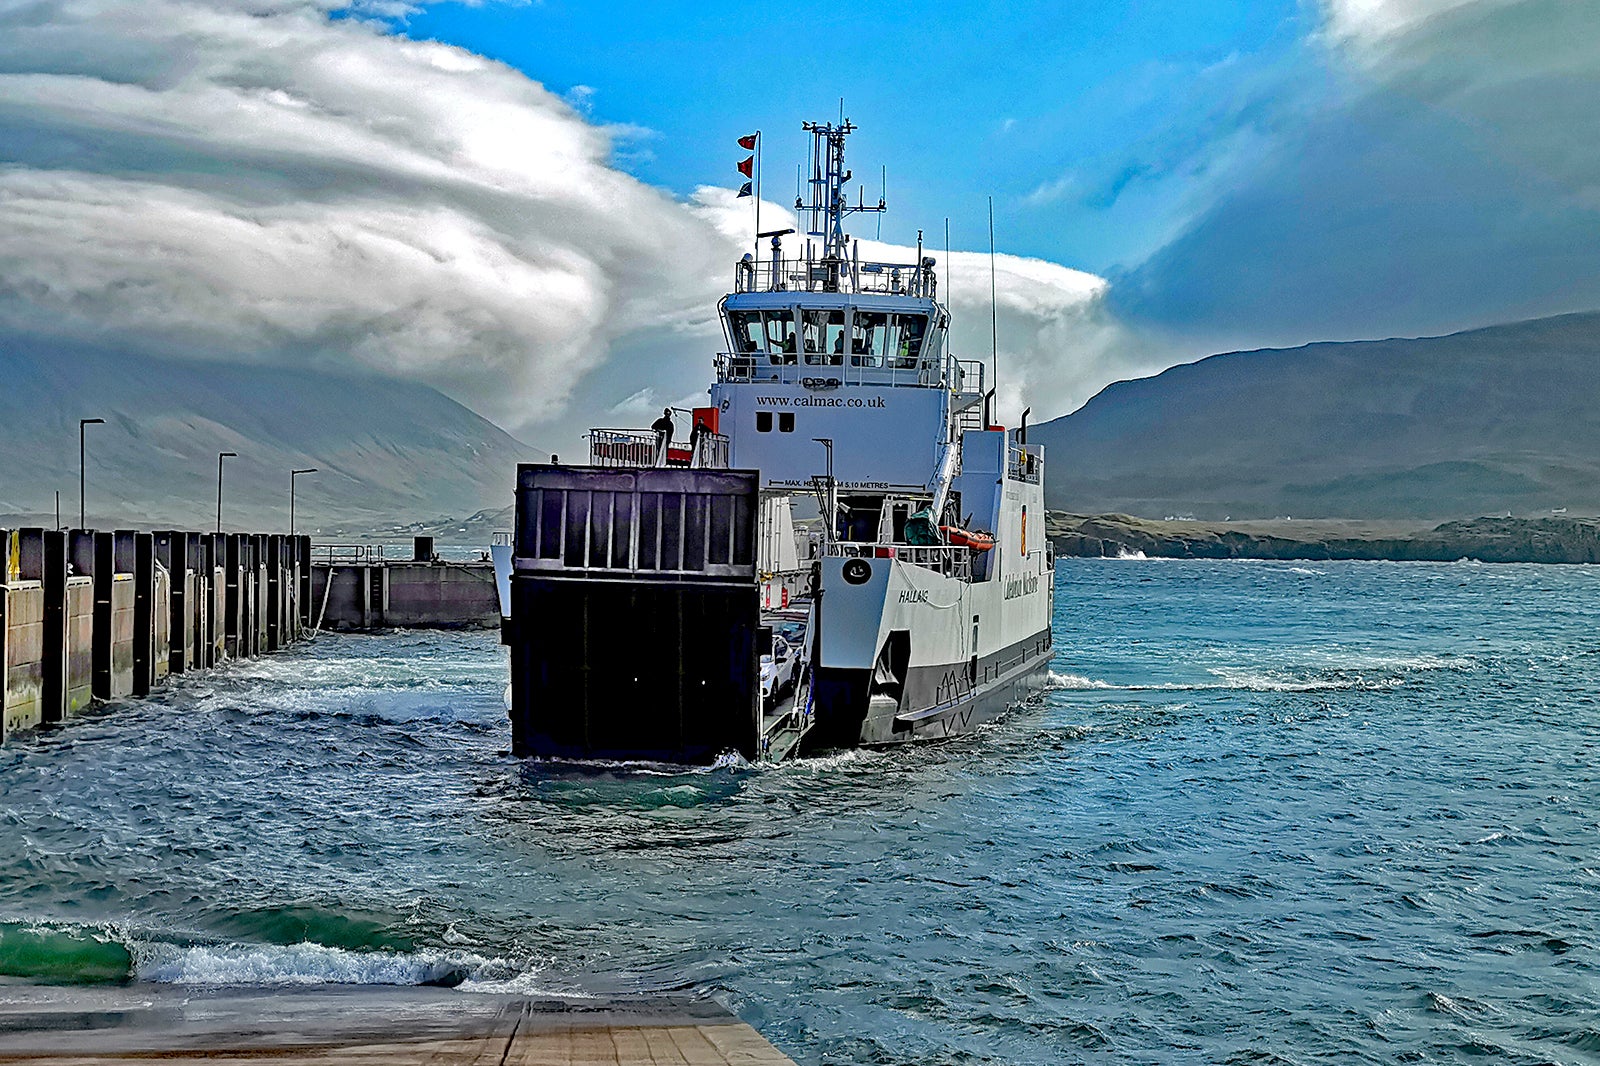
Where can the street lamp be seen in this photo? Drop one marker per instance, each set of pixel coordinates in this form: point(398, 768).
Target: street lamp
point(221, 456)
point(82, 422)
point(292, 475)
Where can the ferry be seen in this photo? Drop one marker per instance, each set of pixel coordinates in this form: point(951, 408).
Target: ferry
point(845, 551)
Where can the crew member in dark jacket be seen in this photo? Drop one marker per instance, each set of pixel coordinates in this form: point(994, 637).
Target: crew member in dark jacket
point(663, 427)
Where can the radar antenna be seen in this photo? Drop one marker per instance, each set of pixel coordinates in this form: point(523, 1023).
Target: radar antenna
point(829, 201)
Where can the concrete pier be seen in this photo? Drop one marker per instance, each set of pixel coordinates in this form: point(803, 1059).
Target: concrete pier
point(93, 615)
point(88, 614)
point(22, 620)
point(370, 591)
point(340, 1025)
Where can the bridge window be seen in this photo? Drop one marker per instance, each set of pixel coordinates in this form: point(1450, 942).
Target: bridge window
point(867, 338)
point(878, 339)
point(780, 335)
point(909, 352)
point(823, 334)
point(748, 335)
point(764, 331)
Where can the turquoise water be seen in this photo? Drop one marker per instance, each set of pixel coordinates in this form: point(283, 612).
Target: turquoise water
point(1345, 812)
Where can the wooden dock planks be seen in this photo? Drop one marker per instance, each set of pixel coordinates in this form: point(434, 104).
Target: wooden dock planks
point(364, 1027)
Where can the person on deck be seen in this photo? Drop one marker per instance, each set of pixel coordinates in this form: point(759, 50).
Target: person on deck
point(663, 430)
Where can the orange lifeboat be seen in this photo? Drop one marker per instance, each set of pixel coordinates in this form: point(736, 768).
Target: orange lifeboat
point(964, 538)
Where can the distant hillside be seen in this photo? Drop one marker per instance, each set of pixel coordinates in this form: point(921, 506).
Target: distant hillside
point(385, 450)
point(1488, 421)
point(1492, 540)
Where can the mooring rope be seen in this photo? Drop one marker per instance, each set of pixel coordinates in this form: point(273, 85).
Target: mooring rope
point(327, 590)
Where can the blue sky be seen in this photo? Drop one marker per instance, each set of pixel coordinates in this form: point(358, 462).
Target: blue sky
point(1091, 123)
point(276, 181)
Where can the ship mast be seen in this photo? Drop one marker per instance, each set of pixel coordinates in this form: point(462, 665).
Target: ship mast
point(829, 201)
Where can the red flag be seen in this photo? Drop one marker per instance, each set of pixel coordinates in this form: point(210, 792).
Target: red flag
point(749, 143)
point(746, 165)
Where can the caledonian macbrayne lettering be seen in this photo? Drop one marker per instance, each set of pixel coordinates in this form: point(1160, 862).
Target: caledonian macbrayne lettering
point(1026, 585)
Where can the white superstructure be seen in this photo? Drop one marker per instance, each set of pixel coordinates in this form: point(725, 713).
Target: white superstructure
point(845, 551)
point(838, 385)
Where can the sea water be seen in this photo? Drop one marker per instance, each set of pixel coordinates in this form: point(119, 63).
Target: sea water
point(1342, 812)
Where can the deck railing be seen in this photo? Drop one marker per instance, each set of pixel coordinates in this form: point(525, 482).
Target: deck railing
point(836, 275)
point(817, 370)
point(948, 559)
point(641, 447)
point(347, 554)
point(1024, 463)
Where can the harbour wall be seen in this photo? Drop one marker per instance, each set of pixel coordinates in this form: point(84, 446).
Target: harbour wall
point(355, 588)
point(89, 615)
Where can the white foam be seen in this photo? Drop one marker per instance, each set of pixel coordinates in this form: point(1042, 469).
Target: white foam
point(1073, 681)
point(1277, 681)
point(731, 760)
point(316, 964)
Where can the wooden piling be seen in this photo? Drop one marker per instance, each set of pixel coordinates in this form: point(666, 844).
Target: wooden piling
point(172, 554)
point(54, 707)
point(307, 603)
point(233, 595)
point(80, 620)
point(274, 576)
point(144, 612)
point(216, 563)
point(259, 554)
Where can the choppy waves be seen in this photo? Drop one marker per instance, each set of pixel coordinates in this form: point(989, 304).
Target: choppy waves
point(1259, 815)
point(1373, 673)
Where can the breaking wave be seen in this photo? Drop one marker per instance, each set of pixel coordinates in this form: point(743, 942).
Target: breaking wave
point(1054, 680)
point(58, 953)
point(317, 964)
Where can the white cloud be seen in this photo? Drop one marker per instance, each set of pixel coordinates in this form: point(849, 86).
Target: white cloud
point(258, 181)
point(254, 180)
point(1373, 21)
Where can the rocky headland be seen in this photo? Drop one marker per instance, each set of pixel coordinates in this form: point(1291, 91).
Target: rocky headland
point(1556, 539)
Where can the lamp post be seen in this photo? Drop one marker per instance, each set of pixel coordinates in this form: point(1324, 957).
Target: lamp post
point(221, 456)
point(82, 423)
point(292, 475)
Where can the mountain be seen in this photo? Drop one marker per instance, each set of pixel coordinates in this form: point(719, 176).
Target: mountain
point(385, 451)
point(1486, 421)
